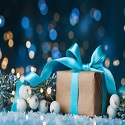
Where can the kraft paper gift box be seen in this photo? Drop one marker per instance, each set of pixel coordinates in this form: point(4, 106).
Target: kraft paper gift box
point(89, 92)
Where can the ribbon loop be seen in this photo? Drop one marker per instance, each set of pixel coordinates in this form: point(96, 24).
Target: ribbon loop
point(74, 51)
point(98, 56)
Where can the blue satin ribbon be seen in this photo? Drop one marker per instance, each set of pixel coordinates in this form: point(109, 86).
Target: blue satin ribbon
point(121, 91)
point(104, 95)
point(73, 61)
point(74, 93)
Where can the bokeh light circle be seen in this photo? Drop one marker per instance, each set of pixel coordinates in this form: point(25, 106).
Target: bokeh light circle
point(75, 11)
point(32, 48)
point(2, 21)
point(25, 22)
point(28, 44)
point(74, 16)
point(43, 9)
point(56, 53)
point(45, 47)
point(53, 34)
point(97, 15)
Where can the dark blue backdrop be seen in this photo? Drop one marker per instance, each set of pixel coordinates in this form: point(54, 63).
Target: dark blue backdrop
point(53, 26)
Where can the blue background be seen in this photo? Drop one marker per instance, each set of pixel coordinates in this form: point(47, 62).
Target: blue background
point(53, 26)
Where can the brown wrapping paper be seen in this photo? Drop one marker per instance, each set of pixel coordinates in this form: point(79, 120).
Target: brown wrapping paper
point(90, 92)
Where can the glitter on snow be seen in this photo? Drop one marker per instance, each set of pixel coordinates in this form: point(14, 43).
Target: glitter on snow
point(34, 118)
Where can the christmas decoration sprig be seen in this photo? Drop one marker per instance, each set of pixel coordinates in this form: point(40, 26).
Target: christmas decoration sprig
point(121, 109)
point(7, 90)
point(46, 90)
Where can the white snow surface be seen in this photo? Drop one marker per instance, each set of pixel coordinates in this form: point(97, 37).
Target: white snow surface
point(36, 118)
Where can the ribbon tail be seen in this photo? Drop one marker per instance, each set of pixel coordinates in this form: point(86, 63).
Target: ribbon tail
point(67, 61)
point(110, 83)
point(34, 79)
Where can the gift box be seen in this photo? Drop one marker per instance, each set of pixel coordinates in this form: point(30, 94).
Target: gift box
point(89, 92)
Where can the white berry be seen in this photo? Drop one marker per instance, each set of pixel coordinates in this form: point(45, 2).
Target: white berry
point(33, 102)
point(21, 90)
point(21, 105)
point(25, 92)
point(43, 106)
point(54, 107)
point(115, 101)
point(111, 111)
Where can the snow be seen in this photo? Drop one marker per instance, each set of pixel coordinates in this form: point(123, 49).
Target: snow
point(34, 118)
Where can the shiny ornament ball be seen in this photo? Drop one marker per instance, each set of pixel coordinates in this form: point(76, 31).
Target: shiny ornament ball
point(43, 106)
point(115, 101)
point(25, 92)
point(54, 107)
point(111, 111)
point(21, 105)
point(33, 102)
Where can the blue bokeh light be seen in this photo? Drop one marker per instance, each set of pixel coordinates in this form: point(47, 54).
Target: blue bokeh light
point(75, 11)
point(43, 9)
point(86, 23)
point(56, 53)
point(97, 15)
point(2, 21)
point(45, 47)
point(25, 22)
point(74, 16)
point(53, 34)
point(32, 48)
point(28, 68)
point(22, 51)
point(40, 3)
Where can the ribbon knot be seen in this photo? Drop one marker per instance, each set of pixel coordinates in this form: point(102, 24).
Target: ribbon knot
point(86, 67)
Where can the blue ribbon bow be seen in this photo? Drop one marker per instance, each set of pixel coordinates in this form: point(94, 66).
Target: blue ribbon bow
point(73, 61)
